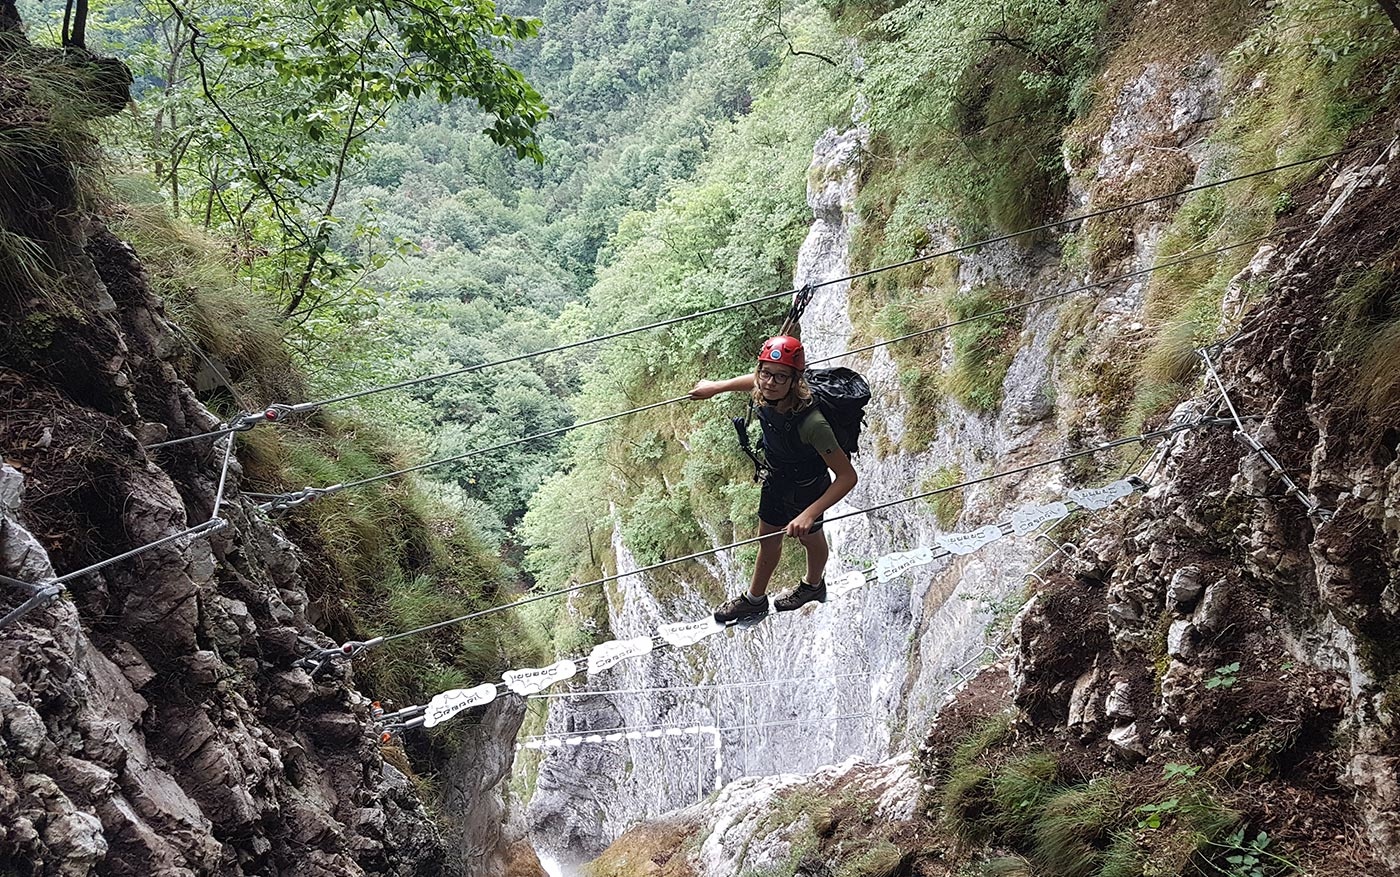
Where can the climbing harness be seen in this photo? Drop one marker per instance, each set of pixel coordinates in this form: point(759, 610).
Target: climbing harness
point(279, 412)
point(741, 428)
point(800, 300)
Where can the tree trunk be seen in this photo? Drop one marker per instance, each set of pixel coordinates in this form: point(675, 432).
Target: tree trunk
point(75, 13)
point(323, 227)
point(1391, 10)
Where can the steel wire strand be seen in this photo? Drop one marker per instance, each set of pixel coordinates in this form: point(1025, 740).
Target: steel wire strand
point(354, 648)
point(314, 492)
point(501, 687)
point(274, 413)
point(1311, 504)
point(711, 687)
point(1234, 419)
point(44, 592)
point(294, 498)
point(1095, 214)
point(751, 726)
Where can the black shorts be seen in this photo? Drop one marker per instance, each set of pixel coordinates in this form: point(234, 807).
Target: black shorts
point(780, 501)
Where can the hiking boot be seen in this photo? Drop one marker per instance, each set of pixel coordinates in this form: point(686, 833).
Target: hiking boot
point(740, 609)
point(800, 596)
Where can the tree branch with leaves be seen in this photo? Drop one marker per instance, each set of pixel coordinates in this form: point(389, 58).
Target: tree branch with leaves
point(285, 95)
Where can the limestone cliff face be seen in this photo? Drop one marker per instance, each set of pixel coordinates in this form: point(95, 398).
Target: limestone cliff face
point(854, 677)
point(152, 720)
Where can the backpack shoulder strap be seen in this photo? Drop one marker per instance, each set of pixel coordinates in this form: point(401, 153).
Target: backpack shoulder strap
point(741, 427)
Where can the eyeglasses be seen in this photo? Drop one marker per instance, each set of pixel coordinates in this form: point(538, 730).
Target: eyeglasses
point(778, 378)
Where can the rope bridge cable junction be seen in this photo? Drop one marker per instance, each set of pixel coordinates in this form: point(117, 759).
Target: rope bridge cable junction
point(44, 592)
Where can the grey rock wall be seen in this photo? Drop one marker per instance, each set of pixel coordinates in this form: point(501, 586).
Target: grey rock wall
point(151, 719)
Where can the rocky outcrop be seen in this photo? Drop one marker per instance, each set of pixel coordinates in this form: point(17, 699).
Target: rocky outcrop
point(1225, 619)
point(841, 815)
point(486, 830)
point(154, 722)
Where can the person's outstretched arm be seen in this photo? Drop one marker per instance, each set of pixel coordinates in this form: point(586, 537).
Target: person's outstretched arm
point(706, 389)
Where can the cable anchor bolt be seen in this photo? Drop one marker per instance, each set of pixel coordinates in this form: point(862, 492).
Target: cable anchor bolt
point(315, 662)
point(243, 422)
point(1322, 514)
point(276, 413)
point(292, 500)
point(353, 648)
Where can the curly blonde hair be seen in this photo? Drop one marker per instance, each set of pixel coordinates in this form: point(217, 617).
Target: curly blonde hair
point(798, 398)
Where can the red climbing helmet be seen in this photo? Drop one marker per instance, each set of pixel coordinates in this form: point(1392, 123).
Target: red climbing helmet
point(784, 350)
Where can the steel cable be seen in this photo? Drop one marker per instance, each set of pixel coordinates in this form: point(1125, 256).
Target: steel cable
point(276, 412)
point(295, 498)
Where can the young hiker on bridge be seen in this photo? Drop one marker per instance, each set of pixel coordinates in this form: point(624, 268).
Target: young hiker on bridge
point(802, 453)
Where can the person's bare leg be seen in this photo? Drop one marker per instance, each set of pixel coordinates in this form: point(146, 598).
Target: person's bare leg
point(770, 551)
point(817, 553)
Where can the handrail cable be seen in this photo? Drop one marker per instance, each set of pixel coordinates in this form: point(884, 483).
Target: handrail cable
point(297, 497)
point(1006, 528)
point(353, 648)
point(1108, 281)
point(751, 726)
point(276, 412)
point(759, 683)
point(294, 498)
